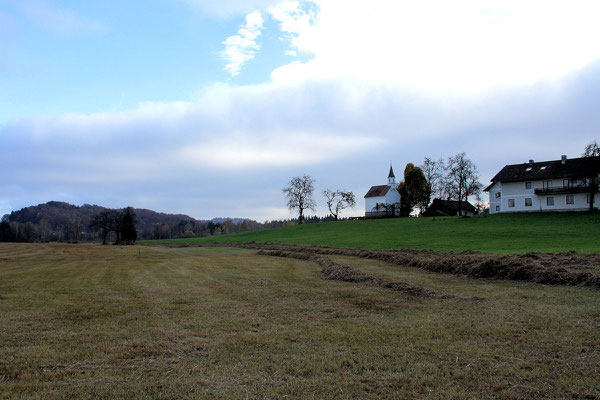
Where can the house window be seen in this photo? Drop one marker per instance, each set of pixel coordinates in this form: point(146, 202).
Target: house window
point(549, 201)
point(527, 185)
point(528, 202)
point(547, 184)
point(511, 202)
point(566, 183)
point(588, 198)
point(497, 195)
point(570, 199)
point(497, 208)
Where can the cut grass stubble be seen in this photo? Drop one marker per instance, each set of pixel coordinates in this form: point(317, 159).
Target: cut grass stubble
point(92, 321)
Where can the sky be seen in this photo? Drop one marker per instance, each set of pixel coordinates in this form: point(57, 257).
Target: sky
point(209, 108)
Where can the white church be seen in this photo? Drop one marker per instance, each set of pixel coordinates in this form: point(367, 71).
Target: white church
point(383, 200)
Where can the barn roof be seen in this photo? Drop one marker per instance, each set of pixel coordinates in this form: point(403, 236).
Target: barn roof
point(449, 207)
point(571, 168)
point(377, 191)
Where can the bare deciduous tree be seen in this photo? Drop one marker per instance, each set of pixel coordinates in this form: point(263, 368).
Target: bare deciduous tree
point(299, 195)
point(480, 205)
point(591, 171)
point(463, 178)
point(338, 200)
point(103, 223)
point(434, 174)
point(592, 150)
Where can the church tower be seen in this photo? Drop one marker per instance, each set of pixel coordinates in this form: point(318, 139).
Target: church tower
point(391, 177)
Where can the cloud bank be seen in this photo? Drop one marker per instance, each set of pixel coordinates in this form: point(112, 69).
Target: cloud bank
point(503, 81)
point(439, 46)
point(230, 151)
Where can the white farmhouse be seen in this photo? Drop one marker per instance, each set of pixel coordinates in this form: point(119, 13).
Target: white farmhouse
point(560, 185)
point(383, 200)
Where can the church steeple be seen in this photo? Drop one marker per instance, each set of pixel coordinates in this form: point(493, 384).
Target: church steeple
point(391, 177)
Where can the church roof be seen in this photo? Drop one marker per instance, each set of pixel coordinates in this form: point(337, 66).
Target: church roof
point(391, 174)
point(377, 191)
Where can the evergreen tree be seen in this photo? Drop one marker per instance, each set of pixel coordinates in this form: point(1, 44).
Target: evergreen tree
point(128, 230)
point(6, 233)
point(414, 190)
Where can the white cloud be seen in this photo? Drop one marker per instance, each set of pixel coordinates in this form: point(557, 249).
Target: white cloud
point(296, 20)
point(275, 150)
point(241, 48)
point(439, 46)
point(60, 20)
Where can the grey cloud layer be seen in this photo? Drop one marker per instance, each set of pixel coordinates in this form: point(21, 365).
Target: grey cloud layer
point(230, 151)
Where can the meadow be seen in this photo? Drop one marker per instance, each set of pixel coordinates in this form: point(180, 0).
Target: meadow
point(504, 233)
point(91, 321)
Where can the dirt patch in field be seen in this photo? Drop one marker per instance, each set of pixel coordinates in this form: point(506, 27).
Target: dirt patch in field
point(567, 268)
point(344, 273)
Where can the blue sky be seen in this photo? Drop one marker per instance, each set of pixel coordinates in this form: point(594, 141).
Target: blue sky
point(207, 108)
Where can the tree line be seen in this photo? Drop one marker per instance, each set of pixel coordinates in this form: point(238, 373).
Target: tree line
point(102, 225)
point(120, 223)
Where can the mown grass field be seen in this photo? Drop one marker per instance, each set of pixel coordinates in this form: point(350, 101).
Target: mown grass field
point(507, 233)
point(87, 321)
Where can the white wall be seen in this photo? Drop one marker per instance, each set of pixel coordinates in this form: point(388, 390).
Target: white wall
point(517, 192)
point(371, 202)
point(497, 187)
point(392, 196)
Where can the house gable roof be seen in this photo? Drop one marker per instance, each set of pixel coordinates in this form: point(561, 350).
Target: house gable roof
point(572, 168)
point(487, 189)
point(377, 191)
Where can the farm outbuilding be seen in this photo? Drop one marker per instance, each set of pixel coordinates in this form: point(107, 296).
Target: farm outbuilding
point(441, 207)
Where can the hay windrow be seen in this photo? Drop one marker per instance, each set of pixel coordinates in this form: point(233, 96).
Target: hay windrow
point(344, 273)
point(544, 268)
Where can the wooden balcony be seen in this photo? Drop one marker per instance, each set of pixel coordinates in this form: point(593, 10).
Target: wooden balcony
point(563, 190)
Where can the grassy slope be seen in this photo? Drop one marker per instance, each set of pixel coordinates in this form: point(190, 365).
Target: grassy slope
point(86, 321)
point(549, 232)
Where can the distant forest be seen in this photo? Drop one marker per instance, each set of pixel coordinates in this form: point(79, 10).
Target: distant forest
point(62, 222)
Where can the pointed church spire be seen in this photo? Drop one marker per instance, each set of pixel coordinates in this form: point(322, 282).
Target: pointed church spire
point(391, 177)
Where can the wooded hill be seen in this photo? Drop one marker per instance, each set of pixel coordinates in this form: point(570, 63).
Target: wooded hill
point(60, 221)
point(64, 222)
